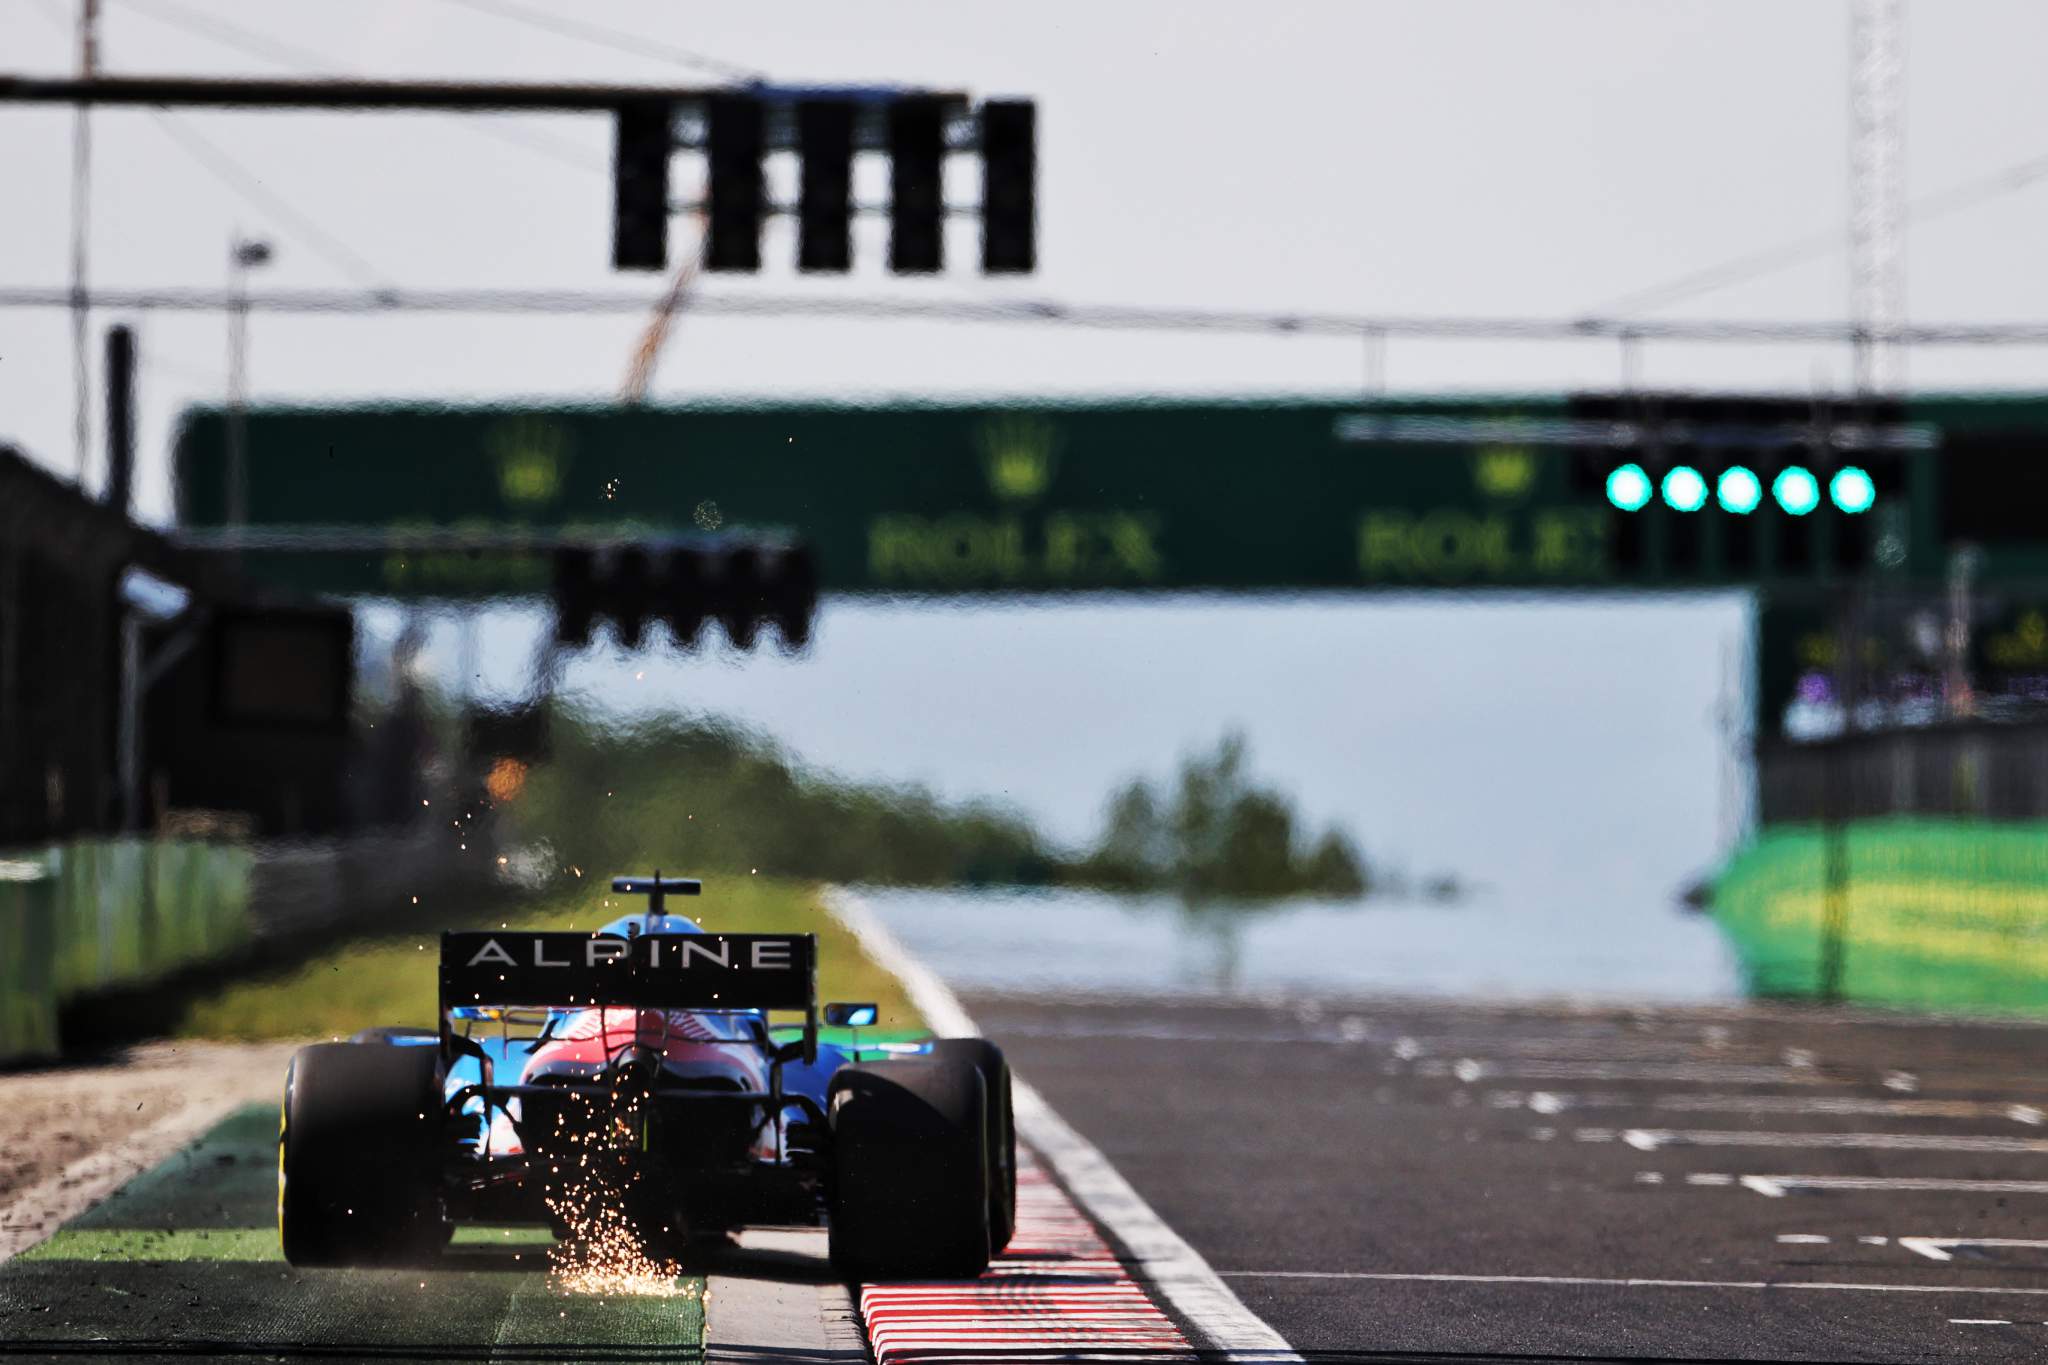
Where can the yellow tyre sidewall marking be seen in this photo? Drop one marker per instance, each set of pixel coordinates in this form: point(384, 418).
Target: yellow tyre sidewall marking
point(283, 1117)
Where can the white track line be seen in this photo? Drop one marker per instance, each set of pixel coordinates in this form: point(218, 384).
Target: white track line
point(1557, 1102)
point(1778, 1186)
point(1470, 1069)
point(1943, 1248)
point(41, 1209)
point(1670, 1051)
point(1650, 1139)
point(1810, 1286)
point(1165, 1261)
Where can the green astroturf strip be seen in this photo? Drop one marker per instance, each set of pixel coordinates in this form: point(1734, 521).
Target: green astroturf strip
point(168, 1244)
point(184, 1258)
point(243, 1244)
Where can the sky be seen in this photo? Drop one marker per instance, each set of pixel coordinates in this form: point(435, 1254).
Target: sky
point(1536, 158)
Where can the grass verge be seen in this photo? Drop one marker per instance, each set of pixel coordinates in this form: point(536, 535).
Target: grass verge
point(390, 978)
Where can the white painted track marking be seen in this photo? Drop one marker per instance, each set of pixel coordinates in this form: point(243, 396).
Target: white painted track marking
point(1777, 1186)
point(1165, 1262)
point(1943, 1248)
point(1557, 1102)
point(1596, 1049)
point(1650, 1139)
point(1469, 1069)
point(1598, 1282)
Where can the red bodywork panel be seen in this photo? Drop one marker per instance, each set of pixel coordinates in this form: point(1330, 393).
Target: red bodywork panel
point(697, 1051)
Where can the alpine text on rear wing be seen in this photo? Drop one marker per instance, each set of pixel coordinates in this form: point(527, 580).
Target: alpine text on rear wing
point(657, 971)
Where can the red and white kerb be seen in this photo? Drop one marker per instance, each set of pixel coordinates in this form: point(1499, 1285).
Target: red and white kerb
point(1058, 1293)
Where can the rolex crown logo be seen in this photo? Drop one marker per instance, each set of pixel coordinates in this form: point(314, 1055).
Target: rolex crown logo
point(1504, 471)
point(1020, 455)
point(530, 454)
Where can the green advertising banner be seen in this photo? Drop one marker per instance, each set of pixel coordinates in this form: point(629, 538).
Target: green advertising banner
point(1939, 914)
point(1007, 497)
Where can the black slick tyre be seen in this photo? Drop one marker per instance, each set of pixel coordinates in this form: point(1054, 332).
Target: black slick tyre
point(910, 1188)
point(358, 1178)
point(1001, 1124)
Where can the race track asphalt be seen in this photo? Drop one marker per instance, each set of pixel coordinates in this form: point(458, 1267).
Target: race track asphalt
point(1412, 1180)
point(1377, 1180)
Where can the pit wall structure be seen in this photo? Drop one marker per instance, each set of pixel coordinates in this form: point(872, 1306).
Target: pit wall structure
point(105, 914)
point(1937, 914)
point(97, 914)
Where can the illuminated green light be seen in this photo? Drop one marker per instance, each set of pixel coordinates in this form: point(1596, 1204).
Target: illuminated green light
point(1684, 489)
point(1852, 489)
point(1739, 491)
point(1796, 490)
point(1629, 488)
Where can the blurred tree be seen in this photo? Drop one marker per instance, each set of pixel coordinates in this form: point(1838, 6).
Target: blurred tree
point(1219, 836)
point(719, 799)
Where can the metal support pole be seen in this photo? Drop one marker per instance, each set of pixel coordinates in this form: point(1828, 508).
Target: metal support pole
point(1375, 363)
point(1877, 144)
point(120, 420)
point(1956, 694)
point(130, 737)
point(242, 256)
point(1838, 796)
point(237, 454)
point(81, 208)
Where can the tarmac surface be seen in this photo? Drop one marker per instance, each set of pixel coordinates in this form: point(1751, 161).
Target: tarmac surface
point(1418, 1180)
point(1377, 1180)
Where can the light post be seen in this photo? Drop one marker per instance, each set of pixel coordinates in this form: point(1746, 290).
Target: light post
point(244, 255)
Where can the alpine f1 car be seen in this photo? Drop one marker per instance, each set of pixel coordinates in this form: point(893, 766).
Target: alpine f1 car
point(644, 1067)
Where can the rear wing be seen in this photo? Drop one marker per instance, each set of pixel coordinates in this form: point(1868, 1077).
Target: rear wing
point(656, 971)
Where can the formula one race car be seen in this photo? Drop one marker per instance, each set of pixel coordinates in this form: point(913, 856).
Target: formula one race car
point(639, 1069)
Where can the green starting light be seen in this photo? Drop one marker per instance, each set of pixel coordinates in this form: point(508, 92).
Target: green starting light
point(1796, 490)
point(1629, 488)
point(1684, 489)
point(1739, 490)
point(1852, 489)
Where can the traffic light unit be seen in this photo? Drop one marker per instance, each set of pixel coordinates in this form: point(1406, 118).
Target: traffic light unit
point(1746, 488)
point(640, 153)
point(740, 583)
point(824, 141)
point(737, 129)
point(1740, 490)
point(735, 190)
point(1009, 187)
point(917, 190)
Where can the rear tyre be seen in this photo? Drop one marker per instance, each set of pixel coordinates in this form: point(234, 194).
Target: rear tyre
point(358, 1167)
point(1001, 1125)
point(910, 1196)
